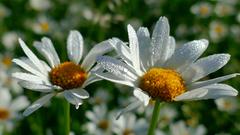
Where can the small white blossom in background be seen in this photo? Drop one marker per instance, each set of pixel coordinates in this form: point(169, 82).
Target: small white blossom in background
point(229, 104)
point(224, 9)
point(100, 120)
point(130, 125)
point(4, 11)
point(235, 32)
point(101, 96)
point(217, 31)
point(202, 9)
point(6, 68)
point(40, 5)
point(9, 40)
point(41, 25)
point(180, 128)
point(238, 17)
point(10, 108)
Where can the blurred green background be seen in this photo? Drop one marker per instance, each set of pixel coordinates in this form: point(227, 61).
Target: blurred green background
point(218, 21)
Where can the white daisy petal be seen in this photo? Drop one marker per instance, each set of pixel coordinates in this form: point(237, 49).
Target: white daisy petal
point(32, 57)
point(48, 43)
point(28, 77)
point(36, 87)
point(129, 108)
point(205, 66)
point(97, 50)
point(187, 54)
point(37, 104)
point(47, 50)
point(19, 103)
point(199, 84)
point(122, 49)
point(75, 46)
point(80, 93)
point(117, 67)
point(134, 48)
point(160, 39)
point(169, 50)
point(91, 80)
point(143, 97)
point(5, 97)
point(144, 47)
point(71, 98)
point(91, 116)
point(27, 67)
point(112, 78)
point(208, 92)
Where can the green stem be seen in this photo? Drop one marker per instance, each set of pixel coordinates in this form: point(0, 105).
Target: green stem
point(66, 116)
point(155, 118)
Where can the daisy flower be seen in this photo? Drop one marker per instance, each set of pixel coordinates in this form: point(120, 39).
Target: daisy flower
point(159, 71)
point(229, 104)
point(217, 31)
point(180, 128)
point(130, 125)
point(68, 78)
point(10, 108)
point(100, 120)
point(203, 9)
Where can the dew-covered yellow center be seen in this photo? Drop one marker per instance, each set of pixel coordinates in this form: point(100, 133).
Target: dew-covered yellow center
point(4, 114)
point(163, 84)
point(68, 75)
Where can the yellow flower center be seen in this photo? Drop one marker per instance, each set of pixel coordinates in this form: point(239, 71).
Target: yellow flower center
point(204, 10)
point(218, 29)
point(163, 84)
point(128, 132)
point(68, 75)
point(7, 61)
point(44, 26)
point(4, 114)
point(103, 124)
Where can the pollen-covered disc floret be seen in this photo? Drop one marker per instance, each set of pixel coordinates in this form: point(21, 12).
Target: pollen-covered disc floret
point(68, 75)
point(163, 84)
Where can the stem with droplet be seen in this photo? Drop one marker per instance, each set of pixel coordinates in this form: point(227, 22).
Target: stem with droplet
point(155, 117)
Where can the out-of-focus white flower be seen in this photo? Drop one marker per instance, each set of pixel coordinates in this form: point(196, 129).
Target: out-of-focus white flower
point(9, 108)
point(227, 104)
point(180, 128)
point(217, 31)
point(130, 125)
point(68, 78)
point(224, 9)
point(100, 121)
point(4, 11)
point(202, 9)
point(233, 2)
point(238, 17)
point(157, 70)
point(166, 116)
point(9, 40)
point(41, 25)
point(181, 30)
point(235, 31)
point(6, 68)
point(100, 96)
point(40, 5)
